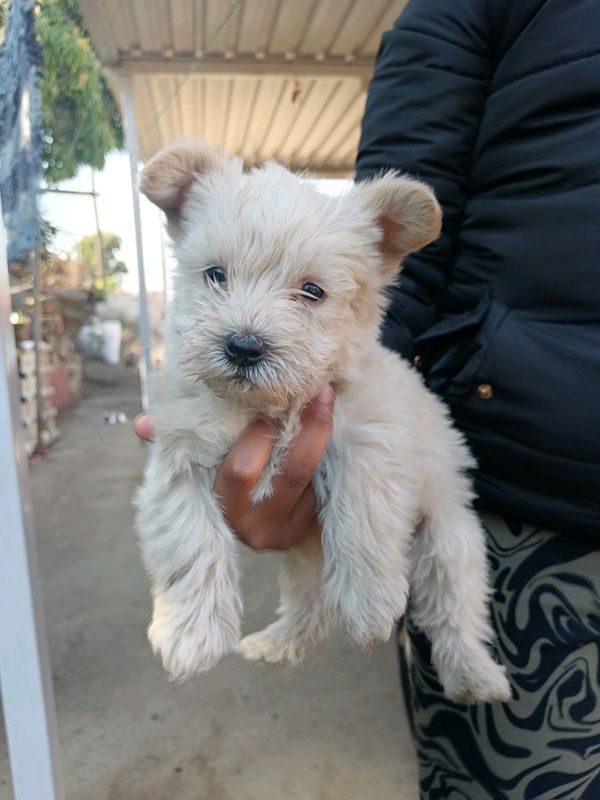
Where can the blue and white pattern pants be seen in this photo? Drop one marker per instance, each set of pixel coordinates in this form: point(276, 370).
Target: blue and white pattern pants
point(544, 744)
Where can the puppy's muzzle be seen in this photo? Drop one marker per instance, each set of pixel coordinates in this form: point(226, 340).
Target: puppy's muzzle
point(244, 349)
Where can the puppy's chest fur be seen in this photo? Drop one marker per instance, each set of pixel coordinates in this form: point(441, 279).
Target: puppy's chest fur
point(374, 424)
point(195, 428)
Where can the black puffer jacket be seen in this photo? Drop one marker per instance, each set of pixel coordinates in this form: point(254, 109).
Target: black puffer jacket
point(496, 103)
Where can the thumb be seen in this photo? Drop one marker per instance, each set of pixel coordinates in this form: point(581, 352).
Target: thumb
point(143, 427)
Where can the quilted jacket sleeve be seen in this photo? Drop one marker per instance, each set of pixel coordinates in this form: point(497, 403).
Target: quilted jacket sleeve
point(424, 106)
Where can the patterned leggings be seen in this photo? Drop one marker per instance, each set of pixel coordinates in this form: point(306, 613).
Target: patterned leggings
point(544, 744)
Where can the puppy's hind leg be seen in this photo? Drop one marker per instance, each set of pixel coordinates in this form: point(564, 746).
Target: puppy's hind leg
point(302, 618)
point(449, 590)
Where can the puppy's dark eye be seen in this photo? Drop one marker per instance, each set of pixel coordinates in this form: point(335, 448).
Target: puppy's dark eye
point(216, 275)
point(312, 291)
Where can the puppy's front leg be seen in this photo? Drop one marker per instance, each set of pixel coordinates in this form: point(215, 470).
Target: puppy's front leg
point(367, 527)
point(189, 553)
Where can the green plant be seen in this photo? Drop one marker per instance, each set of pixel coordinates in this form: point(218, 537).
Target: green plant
point(81, 123)
point(87, 248)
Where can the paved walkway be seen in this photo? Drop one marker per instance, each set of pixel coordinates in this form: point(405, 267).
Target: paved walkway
point(331, 729)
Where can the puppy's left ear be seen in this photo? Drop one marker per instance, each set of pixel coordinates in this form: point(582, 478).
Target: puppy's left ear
point(167, 177)
point(405, 211)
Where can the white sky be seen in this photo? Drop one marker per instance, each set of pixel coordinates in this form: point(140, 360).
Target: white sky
point(73, 215)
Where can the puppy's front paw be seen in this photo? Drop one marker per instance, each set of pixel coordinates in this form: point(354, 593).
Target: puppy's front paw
point(188, 641)
point(480, 681)
point(272, 647)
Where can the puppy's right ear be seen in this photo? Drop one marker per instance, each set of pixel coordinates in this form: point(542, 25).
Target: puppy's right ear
point(167, 177)
point(405, 211)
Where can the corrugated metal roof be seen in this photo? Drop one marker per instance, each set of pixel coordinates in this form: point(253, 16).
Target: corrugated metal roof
point(265, 79)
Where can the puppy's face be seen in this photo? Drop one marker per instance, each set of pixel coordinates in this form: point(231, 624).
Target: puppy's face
point(279, 289)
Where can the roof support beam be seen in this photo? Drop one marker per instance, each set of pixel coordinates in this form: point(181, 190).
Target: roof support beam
point(244, 66)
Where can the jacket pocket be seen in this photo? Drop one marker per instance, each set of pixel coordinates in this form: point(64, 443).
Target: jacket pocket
point(545, 378)
point(453, 351)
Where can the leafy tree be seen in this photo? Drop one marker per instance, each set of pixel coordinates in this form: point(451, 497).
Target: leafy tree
point(80, 120)
point(87, 248)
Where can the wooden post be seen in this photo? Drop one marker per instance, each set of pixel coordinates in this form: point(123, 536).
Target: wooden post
point(100, 256)
point(37, 341)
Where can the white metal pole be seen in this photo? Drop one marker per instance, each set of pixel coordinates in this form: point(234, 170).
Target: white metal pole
point(163, 264)
point(132, 147)
point(25, 676)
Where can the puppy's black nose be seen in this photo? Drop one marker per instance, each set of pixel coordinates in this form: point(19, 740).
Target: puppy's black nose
point(244, 349)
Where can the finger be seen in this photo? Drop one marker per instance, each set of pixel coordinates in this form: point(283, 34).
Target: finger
point(305, 450)
point(302, 523)
point(144, 427)
point(242, 467)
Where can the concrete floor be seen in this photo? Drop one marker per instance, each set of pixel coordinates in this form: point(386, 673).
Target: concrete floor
point(331, 729)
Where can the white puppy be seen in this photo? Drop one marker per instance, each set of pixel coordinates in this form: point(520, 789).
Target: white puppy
point(278, 291)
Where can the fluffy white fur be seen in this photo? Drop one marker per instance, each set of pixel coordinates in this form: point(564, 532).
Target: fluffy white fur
point(394, 497)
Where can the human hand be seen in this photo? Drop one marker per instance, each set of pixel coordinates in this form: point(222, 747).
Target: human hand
point(290, 515)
